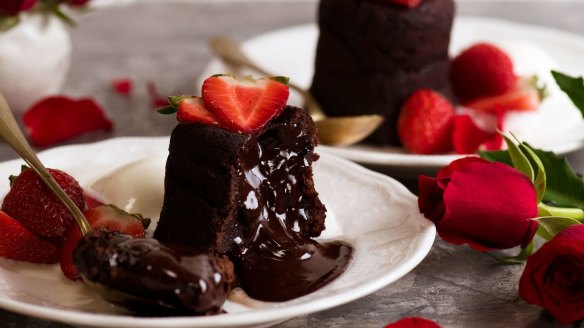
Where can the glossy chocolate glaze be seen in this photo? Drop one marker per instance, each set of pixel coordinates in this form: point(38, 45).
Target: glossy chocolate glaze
point(275, 259)
point(156, 279)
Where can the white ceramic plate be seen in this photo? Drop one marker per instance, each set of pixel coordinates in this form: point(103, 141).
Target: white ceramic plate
point(556, 126)
point(374, 213)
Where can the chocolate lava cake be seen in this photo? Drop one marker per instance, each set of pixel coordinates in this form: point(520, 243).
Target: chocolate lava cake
point(214, 188)
point(239, 183)
point(371, 55)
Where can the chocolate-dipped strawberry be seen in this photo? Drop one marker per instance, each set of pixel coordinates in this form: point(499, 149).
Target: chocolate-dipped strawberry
point(148, 277)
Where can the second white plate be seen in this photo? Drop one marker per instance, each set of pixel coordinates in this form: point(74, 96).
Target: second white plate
point(556, 126)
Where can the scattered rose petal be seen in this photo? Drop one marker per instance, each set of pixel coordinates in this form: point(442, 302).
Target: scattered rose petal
point(123, 86)
point(156, 99)
point(468, 136)
point(413, 322)
point(58, 118)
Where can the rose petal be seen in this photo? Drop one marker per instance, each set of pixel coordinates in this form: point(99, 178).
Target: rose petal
point(496, 142)
point(467, 136)
point(413, 322)
point(459, 164)
point(156, 99)
point(488, 215)
point(123, 86)
point(55, 119)
point(430, 199)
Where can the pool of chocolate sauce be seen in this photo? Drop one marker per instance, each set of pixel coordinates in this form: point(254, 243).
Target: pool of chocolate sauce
point(275, 259)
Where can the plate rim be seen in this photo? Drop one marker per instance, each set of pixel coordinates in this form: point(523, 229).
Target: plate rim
point(426, 237)
point(396, 159)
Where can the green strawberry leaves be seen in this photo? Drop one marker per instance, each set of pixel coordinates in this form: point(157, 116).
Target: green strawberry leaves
point(173, 101)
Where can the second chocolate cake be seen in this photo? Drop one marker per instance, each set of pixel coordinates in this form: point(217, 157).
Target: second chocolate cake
point(371, 55)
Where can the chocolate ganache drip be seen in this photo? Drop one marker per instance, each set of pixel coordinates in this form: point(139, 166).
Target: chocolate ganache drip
point(275, 260)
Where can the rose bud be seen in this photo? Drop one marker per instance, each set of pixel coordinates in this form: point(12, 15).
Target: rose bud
point(553, 277)
point(413, 322)
point(486, 205)
point(14, 7)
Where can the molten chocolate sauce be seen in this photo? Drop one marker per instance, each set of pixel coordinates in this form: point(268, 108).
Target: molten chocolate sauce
point(160, 280)
point(275, 259)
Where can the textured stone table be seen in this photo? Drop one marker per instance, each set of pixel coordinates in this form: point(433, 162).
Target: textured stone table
point(166, 43)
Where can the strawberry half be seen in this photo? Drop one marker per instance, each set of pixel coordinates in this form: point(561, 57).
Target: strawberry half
point(244, 105)
point(34, 205)
point(17, 243)
point(193, 110)
point(523, 97)
point(104, 216)
point(425, 123)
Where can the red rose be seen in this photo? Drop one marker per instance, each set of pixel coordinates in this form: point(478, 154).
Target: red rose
point(413, 322)
point(14, 7)
point(554, 276)
point(486, 205)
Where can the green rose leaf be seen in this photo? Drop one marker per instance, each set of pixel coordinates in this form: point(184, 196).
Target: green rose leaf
point(573, 87)
point(518, 158)
point(540, 178)
point(549, 226)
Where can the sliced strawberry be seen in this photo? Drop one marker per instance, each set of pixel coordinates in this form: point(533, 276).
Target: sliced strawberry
point(425, 123)
point(17, 243)
point(244, 105)
point(520, 99)
point(104, 216)
point(193, 110)
point(34, 205)
point(91, 201)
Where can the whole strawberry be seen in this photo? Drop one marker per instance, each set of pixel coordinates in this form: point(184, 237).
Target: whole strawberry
point(425, 123)
point(34, 205)
point(482, 70)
